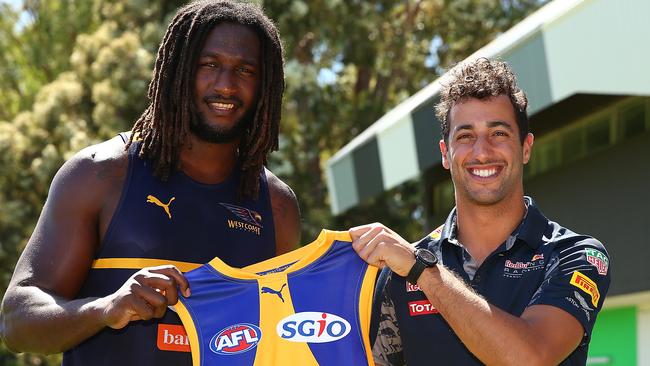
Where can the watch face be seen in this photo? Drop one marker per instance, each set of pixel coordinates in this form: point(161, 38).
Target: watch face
point(427, 257)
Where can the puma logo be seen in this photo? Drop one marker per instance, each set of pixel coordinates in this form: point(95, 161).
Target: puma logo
point(156, 201)
point(268, 290)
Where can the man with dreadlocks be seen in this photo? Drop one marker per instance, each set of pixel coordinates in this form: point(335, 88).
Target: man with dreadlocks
point(125, 217)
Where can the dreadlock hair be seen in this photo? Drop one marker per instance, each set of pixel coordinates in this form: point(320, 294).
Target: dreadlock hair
point(164, 126)
point(481, 79)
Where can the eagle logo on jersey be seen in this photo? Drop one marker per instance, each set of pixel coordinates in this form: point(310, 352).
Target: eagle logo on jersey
point(268, 290)
point(250, 220)
point(157, 202)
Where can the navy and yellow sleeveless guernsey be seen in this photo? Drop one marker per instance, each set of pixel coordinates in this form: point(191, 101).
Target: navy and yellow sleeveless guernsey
point(307, 307)
point(179, 222)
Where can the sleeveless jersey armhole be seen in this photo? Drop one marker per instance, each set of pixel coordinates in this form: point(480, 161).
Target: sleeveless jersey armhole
point(265, 183)
point(125, 187)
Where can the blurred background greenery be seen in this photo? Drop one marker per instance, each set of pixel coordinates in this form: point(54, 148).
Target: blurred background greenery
point(75, 72)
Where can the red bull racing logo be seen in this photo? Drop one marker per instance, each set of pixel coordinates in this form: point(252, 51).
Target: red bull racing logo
point(313, 327)
point(236, 339)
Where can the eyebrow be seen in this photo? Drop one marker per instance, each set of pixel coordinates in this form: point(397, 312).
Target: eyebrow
point(491, 124)
point(246, 61)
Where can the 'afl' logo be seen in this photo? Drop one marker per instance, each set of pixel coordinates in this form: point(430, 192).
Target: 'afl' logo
point(313, 327)
point(235, 339)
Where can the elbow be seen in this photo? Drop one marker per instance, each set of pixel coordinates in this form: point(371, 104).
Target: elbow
point(534, 356)
point(14, 329)
point(15, 341)
point(7, 333)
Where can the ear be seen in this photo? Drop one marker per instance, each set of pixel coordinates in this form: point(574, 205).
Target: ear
point(444, 152)
point(528, 147)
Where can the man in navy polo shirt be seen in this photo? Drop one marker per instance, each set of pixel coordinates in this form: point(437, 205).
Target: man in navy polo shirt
point(497, 283)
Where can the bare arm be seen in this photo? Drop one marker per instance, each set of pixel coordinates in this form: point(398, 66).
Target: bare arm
point(286, 215)
point(39, 312)
point(533, 339)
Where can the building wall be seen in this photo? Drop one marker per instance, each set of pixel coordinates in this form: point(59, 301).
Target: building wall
point(606, 195)
point(614, 338)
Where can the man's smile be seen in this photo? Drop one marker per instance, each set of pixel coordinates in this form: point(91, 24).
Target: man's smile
point(483, 172)
point(222, 105)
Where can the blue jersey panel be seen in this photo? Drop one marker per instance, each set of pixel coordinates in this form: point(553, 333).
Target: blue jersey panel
point(236, 313)
point(339, 297)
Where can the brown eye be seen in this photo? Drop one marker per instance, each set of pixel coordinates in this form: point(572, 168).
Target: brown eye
point(245, 70)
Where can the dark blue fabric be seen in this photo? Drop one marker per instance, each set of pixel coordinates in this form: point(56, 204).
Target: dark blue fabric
point(537, 269)
point(206, 221)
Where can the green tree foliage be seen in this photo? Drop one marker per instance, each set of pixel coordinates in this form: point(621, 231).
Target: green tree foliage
point(349, 62)
point(78, 72)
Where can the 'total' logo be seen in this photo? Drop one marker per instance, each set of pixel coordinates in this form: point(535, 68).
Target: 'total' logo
point(421, 307)
point(172, 338)
point(236, 339)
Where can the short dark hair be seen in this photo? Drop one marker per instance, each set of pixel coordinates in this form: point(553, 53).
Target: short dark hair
point(163, 127)
point(481, 79)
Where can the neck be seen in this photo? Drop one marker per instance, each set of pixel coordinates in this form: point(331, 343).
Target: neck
point(207, 162)
point(482, 228)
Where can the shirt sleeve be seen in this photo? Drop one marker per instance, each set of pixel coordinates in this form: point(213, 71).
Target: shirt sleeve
point(577, 279)
point(387, 349)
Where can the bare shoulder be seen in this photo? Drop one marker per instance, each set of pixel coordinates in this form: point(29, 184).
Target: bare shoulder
point(286, 214)
point(104, 161)
point(61, 248)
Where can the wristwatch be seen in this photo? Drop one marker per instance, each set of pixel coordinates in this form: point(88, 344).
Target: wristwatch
point(424, 258)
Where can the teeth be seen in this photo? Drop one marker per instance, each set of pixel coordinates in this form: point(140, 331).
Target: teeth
point(227, 106)
point(484, 172)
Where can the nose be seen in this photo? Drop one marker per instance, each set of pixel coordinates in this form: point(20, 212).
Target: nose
point(482, 149)
point(224, 82)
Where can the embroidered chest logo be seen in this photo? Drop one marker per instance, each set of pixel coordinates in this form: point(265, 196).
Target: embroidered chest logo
point(268, 290)
point(157, 202)
point(249, 220)
point(517, 269)
point(598, 260)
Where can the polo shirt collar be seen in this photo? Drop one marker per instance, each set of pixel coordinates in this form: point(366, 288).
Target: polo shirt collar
point(534, 225)
point(530, 230)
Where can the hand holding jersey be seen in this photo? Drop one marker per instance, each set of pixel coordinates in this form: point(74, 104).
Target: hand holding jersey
point(144, 295)
point(381, 246)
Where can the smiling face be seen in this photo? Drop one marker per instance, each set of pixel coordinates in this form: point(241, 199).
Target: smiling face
point(484, 153)
point(227, 83)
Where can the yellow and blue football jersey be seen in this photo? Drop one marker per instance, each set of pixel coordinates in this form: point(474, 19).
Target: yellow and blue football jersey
point(307, 307)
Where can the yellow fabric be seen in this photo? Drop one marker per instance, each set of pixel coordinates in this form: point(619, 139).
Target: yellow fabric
point(275, 350)
point(139, 263)
point(190, 329)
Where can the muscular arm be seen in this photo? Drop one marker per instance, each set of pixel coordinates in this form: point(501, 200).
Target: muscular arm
point(286, 215)
point(39, 312)
point(542, 335)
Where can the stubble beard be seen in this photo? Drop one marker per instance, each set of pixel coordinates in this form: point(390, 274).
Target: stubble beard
point(483, 197)
point(206, 132)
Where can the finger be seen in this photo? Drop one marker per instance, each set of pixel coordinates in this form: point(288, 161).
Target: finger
point(141, 308)
point(178, 276)
point(161, 285)
point(362, 240)
point(373, 250)
point(357, 231)
point(155, 300)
